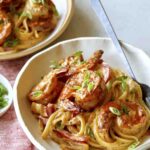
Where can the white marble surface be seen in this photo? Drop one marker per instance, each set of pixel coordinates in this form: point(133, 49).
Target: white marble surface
point(130, 19)
point(84, 22)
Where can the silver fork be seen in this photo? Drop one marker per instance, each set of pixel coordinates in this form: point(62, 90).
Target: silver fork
point(100, 11)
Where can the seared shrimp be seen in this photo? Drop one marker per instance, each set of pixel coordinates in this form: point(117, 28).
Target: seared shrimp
point(39, 16)
point(76, 63)
point(4, 3)
point(48, 89)
point(85, 90)
point(5, 26)
point(103, 70)
point(128, 118)
point(51, 85)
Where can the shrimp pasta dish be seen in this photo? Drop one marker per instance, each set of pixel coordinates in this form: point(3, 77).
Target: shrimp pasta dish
point(88, 105)
point(24, 23)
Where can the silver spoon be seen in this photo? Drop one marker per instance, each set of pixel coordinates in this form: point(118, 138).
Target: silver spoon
point(98, 8)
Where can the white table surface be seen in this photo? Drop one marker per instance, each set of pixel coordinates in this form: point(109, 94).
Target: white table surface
point(130, 19)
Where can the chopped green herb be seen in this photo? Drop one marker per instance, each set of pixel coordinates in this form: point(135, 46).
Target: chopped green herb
point(11, 42)
point(123, 85)
point(125, 109)
point(78, 53)
point(37, 93)
point(3, 90)
point(90, 132)
point(87, 76)
point(123, 82)
point(90, 86)
point(122, 78)
point(27, 14)
point(85, 83)
point(115, 111)
point(3, 102)
point(38, 1)
point(54, 65)
point(134, 145)
point(82, 62)
point(76, 87)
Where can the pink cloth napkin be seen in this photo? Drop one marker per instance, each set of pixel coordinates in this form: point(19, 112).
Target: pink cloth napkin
point(12, 136)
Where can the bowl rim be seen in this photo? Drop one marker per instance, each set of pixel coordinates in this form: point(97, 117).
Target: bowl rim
point(61, 29)
point(16, 106)
point(10, 98)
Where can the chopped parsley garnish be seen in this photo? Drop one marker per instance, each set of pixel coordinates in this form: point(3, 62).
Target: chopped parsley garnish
point(3, 102)
point(76, 87)
point(90, 86)
point(83, 62)
point(37, 93)
point(115, 111)
point(27, 14)
point(11, 42)
point(87, 76)
point(85, 83)
point(134, 145)
point(90, 132)
point(39, 1)
point(123, 82)
point(3, 92)
point(123, 85)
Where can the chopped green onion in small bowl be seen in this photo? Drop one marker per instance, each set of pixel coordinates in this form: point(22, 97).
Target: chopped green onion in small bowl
point(5, 95)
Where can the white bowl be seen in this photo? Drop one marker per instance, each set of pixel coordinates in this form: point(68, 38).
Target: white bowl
point(65, 9)
point(38, 66)
point(9, 97)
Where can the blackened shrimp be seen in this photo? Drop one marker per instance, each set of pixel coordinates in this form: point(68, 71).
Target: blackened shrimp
point(5, 26)
point(48, 89)
point(4, 3)
point(85, 90)
point(126, 118)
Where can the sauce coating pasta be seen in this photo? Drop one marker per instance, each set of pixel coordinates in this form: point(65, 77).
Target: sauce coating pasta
point(24, 23)
point(86, 104)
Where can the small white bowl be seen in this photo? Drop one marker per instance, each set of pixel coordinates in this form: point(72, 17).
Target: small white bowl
point(9, 97)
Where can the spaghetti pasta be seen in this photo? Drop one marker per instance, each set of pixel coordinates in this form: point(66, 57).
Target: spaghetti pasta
point(95, 106)
point(25, 23)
